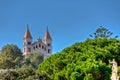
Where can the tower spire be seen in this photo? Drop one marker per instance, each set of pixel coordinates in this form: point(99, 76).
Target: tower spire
point(27, 26)
point(47, 35)
point(27, 33)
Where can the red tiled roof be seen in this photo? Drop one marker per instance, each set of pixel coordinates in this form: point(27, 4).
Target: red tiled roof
point(27, 34)
point(47, 35)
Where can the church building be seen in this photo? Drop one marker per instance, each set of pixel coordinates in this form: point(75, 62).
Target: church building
point(41, 46)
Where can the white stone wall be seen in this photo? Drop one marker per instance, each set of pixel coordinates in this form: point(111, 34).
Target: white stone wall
point(48, 47)
point(26, 46)
point(38, 49)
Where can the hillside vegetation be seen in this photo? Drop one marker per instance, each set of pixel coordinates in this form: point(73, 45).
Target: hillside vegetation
point(15, 66)
point(88, 60)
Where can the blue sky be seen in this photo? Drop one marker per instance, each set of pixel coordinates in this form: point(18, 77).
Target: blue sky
point(69, 21)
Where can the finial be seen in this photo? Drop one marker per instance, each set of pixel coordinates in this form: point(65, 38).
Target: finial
point(27, 26)
point(27, 33)
point(47, 35)
point(39, 38)
point(47, 28)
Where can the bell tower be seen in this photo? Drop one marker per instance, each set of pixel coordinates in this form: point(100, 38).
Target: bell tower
point(48, 41)
point(27, 41)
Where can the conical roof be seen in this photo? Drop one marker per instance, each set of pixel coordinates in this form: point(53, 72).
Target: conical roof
point(47, 35)
point(27, 34)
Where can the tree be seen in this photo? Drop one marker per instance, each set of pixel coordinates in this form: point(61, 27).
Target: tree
point(10, 57)
point(10, 75)
point(102, 32)
point(88, 77)
point(88, 60)
point(24, 73)
point(33, 59)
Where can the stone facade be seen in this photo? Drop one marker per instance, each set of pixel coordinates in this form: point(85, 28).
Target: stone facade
point(44, 47)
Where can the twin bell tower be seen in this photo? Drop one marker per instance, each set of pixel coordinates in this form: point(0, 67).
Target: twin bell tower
point(40, 46)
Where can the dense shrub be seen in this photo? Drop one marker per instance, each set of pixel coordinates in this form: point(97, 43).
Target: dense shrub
point(88, 60)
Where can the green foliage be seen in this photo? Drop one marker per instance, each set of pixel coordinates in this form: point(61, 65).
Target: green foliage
point(10, 57)
point(11, 51)
point(23, 73)
point(15, 66)
point(33, 59)
point(75, 76)
point(60, 76)
point(88, 60)
point(11, 75)
point(88, 77)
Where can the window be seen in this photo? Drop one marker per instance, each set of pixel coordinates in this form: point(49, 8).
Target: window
point(42, 47)
point(39, 45)
point(48, 50)
point(29, 43)
point(36, 46)
point(49, 44)
point(29, 49)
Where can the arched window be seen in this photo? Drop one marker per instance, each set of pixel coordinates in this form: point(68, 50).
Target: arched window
point(29, 43)
point(49, 50)
point(42, 47)
point(39, 45)
point(36, 46)
point(48, 44)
